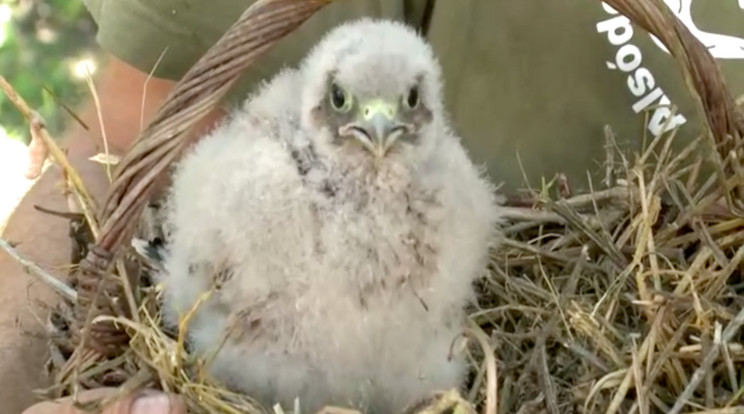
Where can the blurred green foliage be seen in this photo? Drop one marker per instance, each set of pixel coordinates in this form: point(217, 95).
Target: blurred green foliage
point(40, 43)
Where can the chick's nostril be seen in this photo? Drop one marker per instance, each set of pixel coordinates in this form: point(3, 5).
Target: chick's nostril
point(360, 130)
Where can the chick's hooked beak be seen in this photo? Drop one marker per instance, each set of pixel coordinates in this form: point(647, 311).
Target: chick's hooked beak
point(377, 127)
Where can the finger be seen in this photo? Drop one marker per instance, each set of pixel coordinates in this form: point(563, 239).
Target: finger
point(37, 154)
point(143, 403)
point(148, 403)
point(65, 405)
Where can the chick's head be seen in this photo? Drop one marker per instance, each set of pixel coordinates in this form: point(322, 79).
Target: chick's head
point(372, 93)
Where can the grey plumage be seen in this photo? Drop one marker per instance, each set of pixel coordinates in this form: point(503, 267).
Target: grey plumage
point(342, 223)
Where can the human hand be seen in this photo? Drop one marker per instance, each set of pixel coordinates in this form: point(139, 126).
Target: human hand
point(142, 403)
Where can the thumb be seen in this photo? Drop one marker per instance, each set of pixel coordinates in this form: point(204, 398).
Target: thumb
point(142, 403)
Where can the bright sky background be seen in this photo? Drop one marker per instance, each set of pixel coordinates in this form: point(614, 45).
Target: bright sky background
point(13, 185)
point(13, 153)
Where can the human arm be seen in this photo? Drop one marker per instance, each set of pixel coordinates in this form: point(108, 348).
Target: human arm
point(43, 239)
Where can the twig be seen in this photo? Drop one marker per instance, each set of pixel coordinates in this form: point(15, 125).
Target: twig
point(620, 193)
point(699, 374)
point(38, 127)
point(79, 201)
point(33, 117)
point(34, 270)
point(628, 373)
point(535, 250)
point(99, 112)
point(144, 87)
point(642, 399)
point(528, 214)
point(490, 360)
point(610, 140)
point(551, 400)
point(128, 290)
point(580, 224)
point(63, 214)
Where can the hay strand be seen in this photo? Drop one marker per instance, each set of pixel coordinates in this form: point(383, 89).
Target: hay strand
point(33, 269)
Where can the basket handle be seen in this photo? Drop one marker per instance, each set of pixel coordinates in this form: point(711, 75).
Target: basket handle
point(195, 95)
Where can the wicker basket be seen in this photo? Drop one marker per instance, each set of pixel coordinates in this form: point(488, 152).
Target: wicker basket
point(102, 292)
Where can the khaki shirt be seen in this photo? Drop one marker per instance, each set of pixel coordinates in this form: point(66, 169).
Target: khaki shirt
point(530, 84)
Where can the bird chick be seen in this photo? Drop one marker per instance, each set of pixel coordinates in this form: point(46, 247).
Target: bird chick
point(338, 223)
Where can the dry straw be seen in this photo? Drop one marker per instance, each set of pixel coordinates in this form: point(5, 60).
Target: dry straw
point(626, 299)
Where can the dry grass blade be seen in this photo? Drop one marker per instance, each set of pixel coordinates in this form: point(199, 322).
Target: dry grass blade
point(34, 269)
point(490, 360)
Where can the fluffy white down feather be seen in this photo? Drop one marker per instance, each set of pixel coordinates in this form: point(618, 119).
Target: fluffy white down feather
point(344, 285)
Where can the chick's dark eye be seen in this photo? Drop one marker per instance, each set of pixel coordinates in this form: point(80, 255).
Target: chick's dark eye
point(338, 97)
point(413, 98)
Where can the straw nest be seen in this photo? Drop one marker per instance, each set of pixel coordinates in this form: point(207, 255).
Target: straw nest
point(625, 299)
